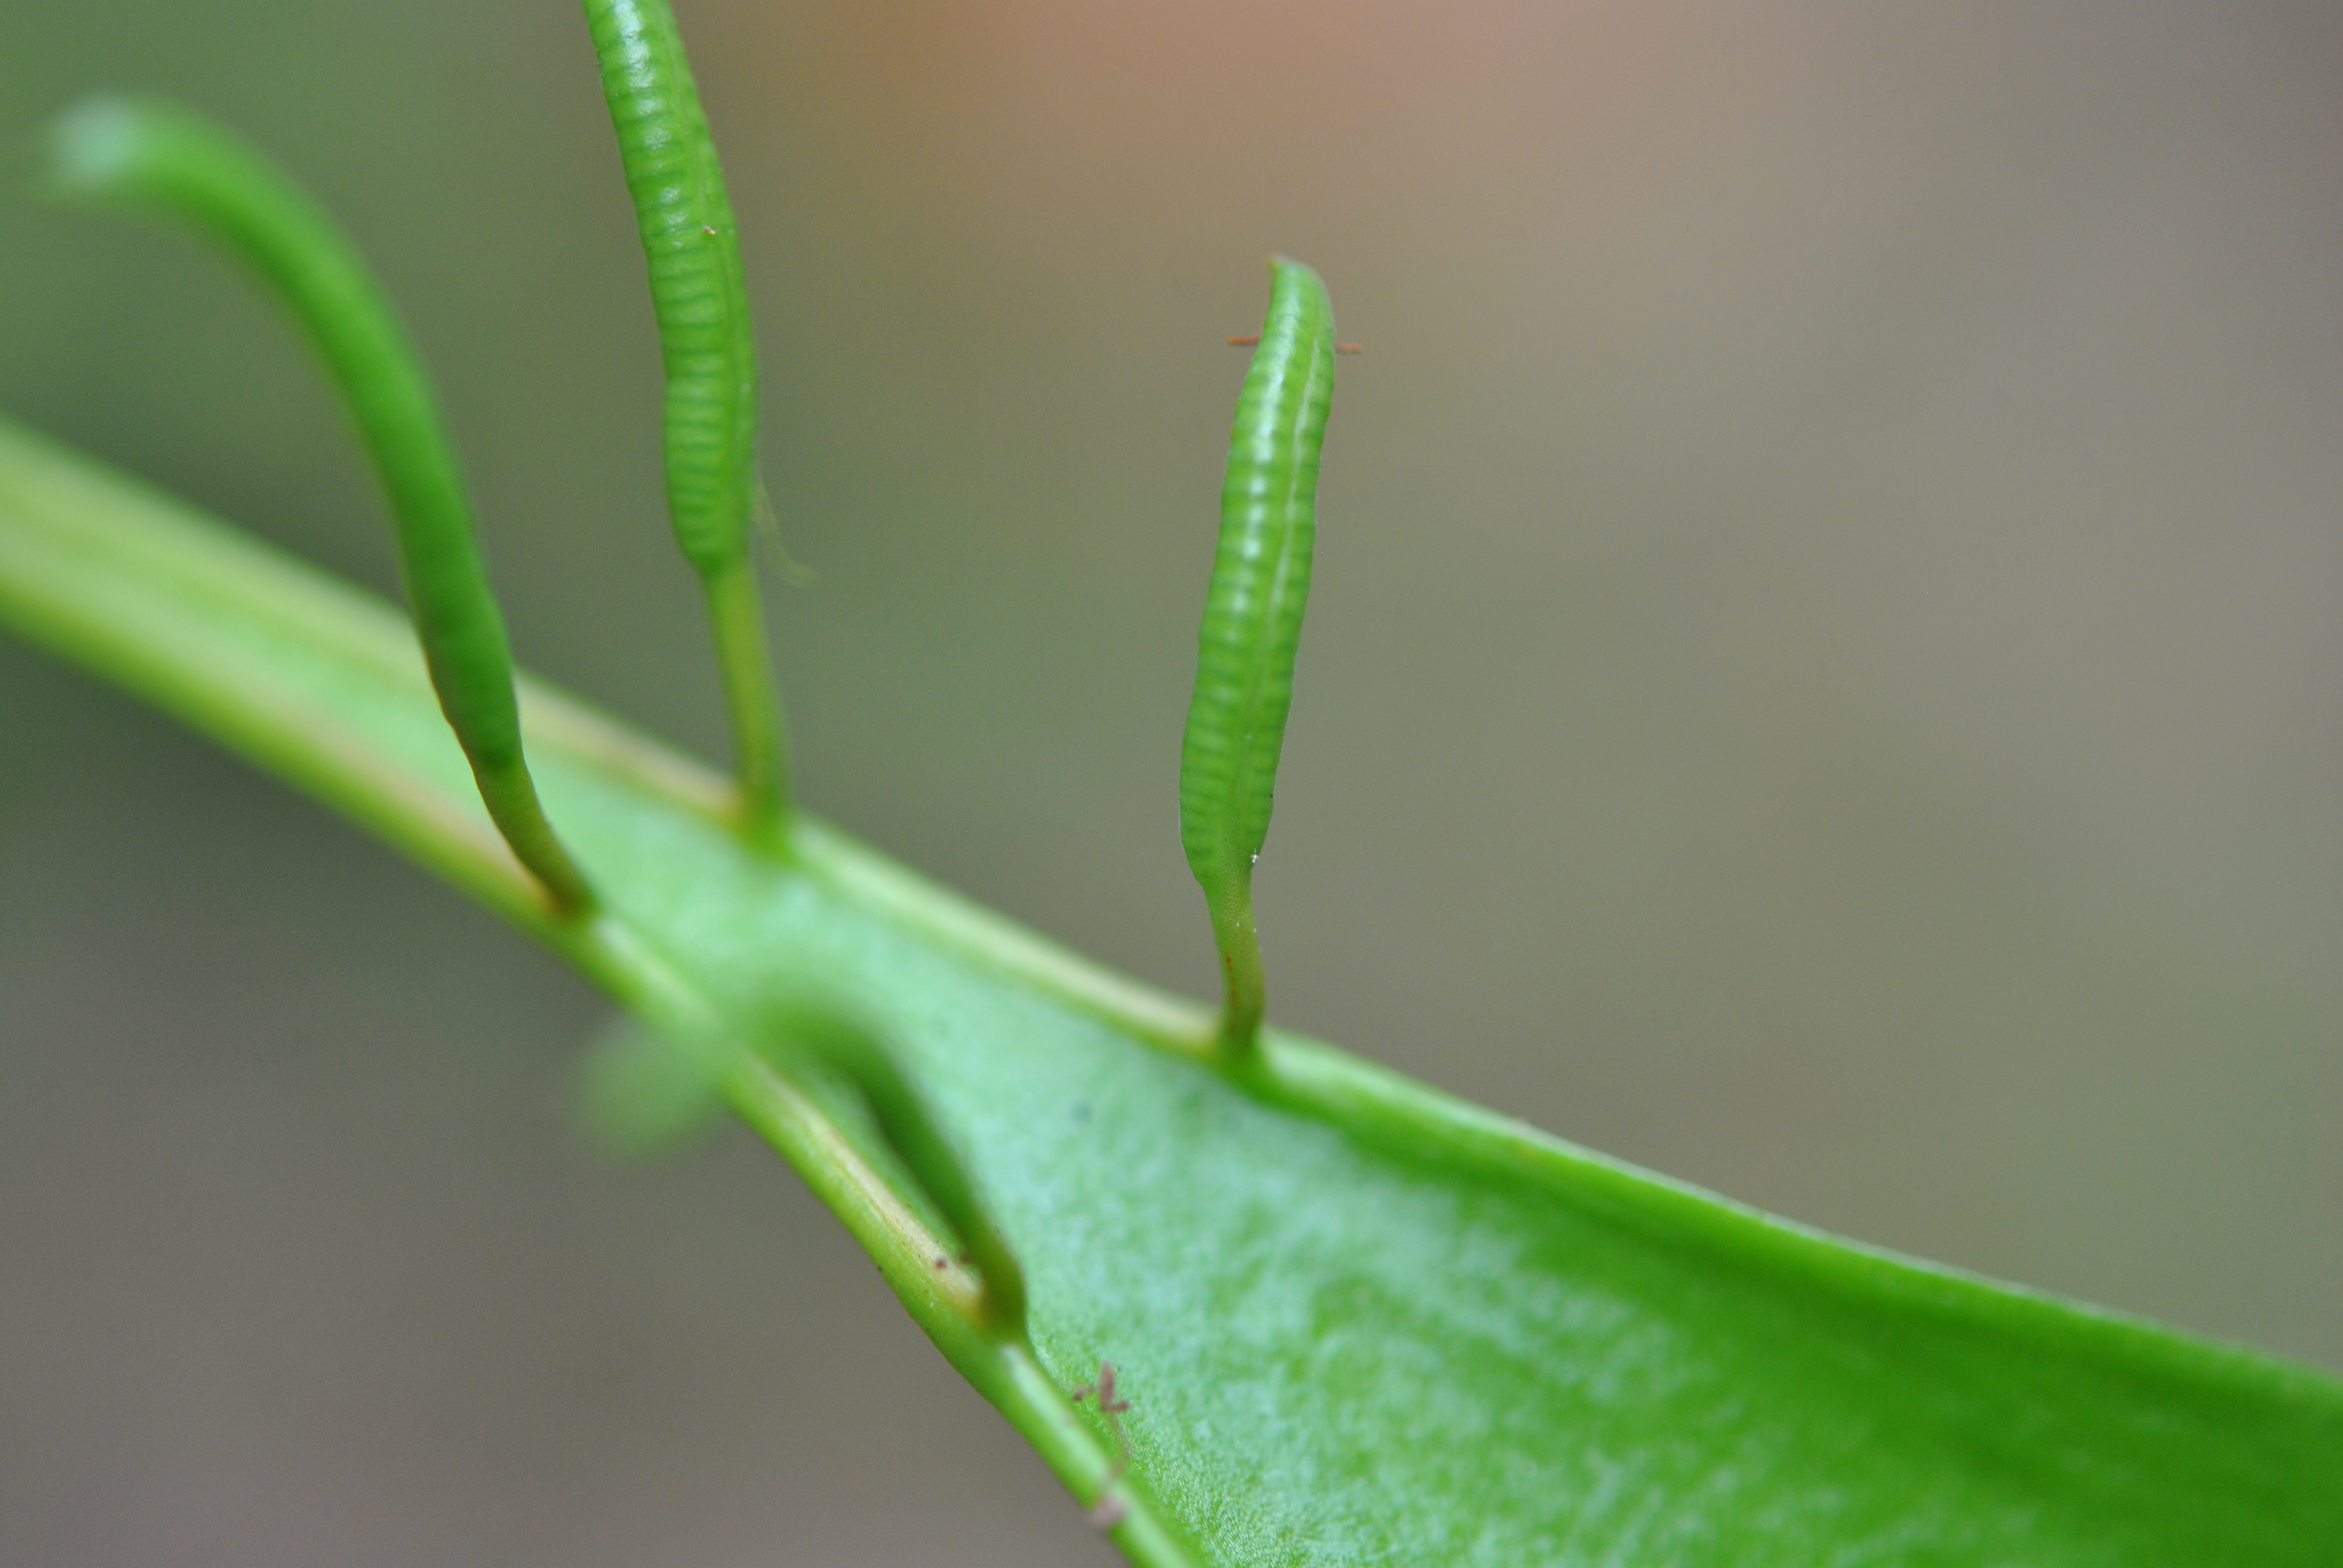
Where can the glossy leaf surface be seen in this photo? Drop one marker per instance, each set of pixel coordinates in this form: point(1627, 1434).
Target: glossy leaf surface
point(1357, 1321)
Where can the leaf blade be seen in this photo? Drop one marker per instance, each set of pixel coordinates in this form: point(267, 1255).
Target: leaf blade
point(1357, 1321)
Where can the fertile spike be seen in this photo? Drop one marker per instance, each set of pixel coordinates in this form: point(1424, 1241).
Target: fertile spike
point(1253, 624)
point(702, 300)
point(158, 156)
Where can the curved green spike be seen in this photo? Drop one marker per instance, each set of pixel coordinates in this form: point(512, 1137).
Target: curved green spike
point(644, 1086)
point(1252, 626)
point(701, 299)
point(158, 156)
point(830, 1041)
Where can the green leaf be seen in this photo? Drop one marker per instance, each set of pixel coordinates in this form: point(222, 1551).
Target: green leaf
point(1355, 1322)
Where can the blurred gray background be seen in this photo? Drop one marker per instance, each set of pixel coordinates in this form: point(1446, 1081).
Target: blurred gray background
point(1823, 681)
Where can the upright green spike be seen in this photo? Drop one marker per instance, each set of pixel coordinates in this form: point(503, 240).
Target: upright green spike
point(158, 156)
point(702, 300)
point(1252, 626)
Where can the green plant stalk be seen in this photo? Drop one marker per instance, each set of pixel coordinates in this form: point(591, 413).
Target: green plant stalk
point(1359, 1320)
point(148, 155)
point(1245, 979)
point(736, 613)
